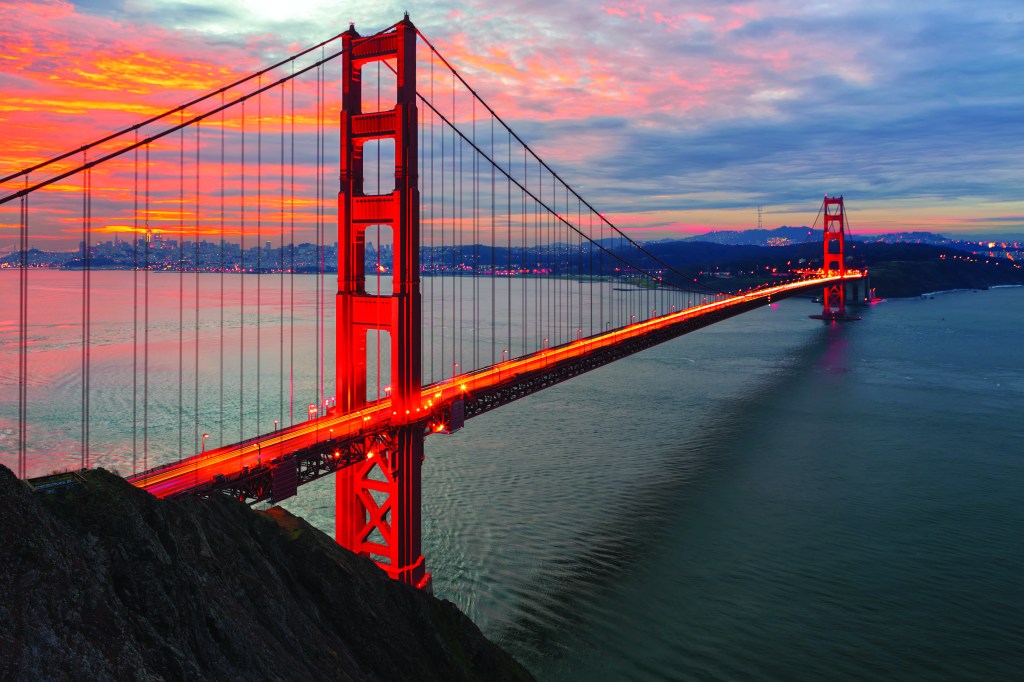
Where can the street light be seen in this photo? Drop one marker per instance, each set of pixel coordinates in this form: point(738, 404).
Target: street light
point(504, 352)
point(275, 425)
point(205, 436)
point(455, 369)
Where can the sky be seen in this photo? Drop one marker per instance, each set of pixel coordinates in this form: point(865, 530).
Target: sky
point(674, 118)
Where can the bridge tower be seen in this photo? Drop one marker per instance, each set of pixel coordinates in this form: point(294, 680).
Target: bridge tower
point(378, 500)
point(834, 297)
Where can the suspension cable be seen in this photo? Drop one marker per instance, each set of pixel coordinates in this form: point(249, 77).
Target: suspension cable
point(493, 113)
point(173, 129)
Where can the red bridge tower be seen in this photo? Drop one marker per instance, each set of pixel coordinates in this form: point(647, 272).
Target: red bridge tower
point(378, 500)
point(834, 297)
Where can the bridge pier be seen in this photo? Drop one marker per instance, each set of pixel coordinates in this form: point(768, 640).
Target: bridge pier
point(858, 291)
point(378, 503)
point(378, 499)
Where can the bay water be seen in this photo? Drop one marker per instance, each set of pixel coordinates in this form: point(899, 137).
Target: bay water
point(769, 498)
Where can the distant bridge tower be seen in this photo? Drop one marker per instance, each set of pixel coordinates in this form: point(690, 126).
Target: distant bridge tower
point(378, 500)
point(834, 298)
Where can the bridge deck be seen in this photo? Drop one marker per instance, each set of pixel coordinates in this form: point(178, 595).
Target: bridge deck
point(204, 471)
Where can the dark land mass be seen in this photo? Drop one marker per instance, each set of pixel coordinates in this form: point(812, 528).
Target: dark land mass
point(897, 270)
point(105, 582)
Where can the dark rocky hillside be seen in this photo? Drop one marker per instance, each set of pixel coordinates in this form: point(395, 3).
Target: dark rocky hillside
point(105, 582)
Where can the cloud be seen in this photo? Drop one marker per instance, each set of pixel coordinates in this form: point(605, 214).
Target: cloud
point(664, 113)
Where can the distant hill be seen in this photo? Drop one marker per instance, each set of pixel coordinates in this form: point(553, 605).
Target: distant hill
point(906, 238)
point(787, 236)
point(780, 236)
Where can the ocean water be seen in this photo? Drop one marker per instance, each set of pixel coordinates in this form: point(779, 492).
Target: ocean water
point(769, 498)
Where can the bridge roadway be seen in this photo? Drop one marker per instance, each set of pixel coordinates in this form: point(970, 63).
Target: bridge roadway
point(327, 443)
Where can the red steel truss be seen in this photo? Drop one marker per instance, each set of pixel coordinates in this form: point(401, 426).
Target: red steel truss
point(378, 500)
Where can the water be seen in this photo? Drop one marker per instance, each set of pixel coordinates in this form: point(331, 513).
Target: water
point(765, 499)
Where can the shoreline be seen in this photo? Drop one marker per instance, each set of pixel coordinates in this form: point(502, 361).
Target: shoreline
point(950, 291)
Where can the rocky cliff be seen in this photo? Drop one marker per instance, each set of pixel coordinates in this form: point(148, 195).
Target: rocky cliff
point(105, 582)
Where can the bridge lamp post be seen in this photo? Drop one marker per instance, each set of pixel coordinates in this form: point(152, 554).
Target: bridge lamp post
point(275, 425)
point(205, 436)
point(455, 369)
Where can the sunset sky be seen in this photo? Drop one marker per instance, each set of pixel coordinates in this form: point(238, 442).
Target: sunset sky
point(672, 117)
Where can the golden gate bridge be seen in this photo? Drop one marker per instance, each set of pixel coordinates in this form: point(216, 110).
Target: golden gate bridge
point(469, 274)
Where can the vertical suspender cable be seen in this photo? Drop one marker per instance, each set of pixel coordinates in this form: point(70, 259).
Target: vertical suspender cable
point(319, 226)
point(241, 282)
point(291, 259)
point(181, 287)
point(508, 245)
point(457, 236)
point(476, 247)
point(86, 326)
point(523, 238)
point(321, 245)
point(441, 256)
point(280, 267)
point(145, 330)
point(378, 264)
point(433, 248)
point(220, 366)
point(321, 188)
point(494, 246)
point(23, 339)
point(135, 315)
point(259, 256)
point(195, 267)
